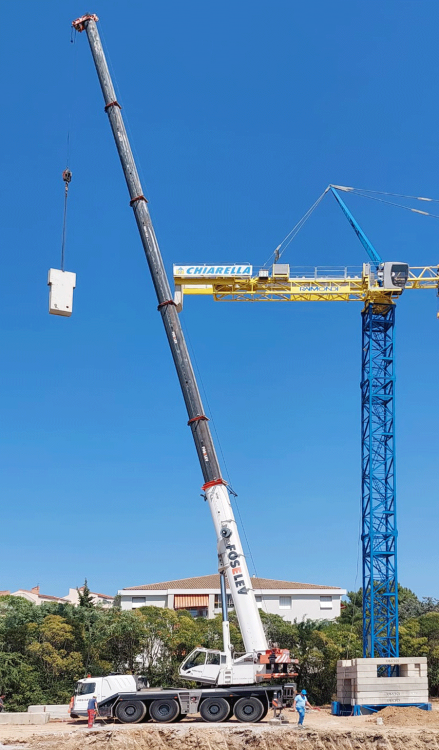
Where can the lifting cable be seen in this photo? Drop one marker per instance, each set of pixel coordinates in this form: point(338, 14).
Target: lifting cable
point(67, 177)
point(67, 174)
point(365, 194)
point(295, 230)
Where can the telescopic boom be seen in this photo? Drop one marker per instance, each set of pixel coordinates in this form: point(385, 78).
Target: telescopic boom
point(231, 557)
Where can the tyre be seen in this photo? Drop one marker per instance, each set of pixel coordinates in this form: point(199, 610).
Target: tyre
point(74, 716)
point(214, 709)
point(249, 709)
point(164, 710)
point(130, 712)
point(179, 717)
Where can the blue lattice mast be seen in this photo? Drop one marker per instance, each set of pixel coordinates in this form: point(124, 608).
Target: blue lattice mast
point(378, 498)
point(379, 529)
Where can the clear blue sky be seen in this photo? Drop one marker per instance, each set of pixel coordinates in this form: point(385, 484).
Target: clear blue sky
point(240, 115)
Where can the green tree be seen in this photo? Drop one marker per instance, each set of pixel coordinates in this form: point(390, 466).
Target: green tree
point(16, 615)
point(85, 597)
point(120, 639)
point(280, 631)
point(352, 609)
point(411, 642)
point(89, 625)
point(52, 654)
point(19, 681)
point(429, 629)
point(167, 638)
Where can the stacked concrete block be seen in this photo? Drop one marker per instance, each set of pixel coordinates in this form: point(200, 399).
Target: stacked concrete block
point(55, 711)
point(23, 718)
point(358, 682)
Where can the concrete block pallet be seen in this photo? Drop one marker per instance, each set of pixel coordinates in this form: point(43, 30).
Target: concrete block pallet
point(359, 682)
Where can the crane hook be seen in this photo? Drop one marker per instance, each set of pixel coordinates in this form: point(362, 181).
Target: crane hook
point(67, 177)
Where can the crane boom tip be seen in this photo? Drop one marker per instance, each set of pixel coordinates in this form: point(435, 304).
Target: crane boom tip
point(79, 23)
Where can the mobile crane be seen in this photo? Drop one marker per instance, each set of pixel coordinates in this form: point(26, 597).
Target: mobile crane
point(210, 667)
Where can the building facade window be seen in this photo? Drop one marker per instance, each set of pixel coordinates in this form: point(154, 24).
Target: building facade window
point(217, 602)
point(326, 602)
point(258, 600)
point(138, 601)
point(285, 602)
point(197, 611)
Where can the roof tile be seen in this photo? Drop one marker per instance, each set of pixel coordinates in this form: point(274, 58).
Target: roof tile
point(52, 598)
point(213, 582)
point(95, 593)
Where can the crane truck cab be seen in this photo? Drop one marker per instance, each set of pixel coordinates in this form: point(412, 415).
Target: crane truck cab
point(212, 667)
point(102, 687)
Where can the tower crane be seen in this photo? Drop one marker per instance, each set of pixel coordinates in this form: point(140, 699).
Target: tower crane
point(204, 665)
point(378, 284)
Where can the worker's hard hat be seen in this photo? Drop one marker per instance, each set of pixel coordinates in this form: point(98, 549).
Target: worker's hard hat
point(304, 692)
point(94, 695)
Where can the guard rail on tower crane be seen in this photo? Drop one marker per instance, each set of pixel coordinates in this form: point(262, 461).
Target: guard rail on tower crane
point(379, 285)
point(203, 665)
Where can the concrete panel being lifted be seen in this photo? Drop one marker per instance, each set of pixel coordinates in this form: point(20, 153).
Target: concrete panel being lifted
point(62, 284)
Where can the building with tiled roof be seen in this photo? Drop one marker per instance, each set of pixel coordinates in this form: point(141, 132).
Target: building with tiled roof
point(201, 596)
point(103, 599)
point(34, 595)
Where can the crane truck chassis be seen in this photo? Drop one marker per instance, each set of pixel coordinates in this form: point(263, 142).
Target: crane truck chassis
point(247, 703)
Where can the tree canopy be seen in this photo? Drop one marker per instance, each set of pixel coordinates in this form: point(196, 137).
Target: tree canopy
point(45, 649)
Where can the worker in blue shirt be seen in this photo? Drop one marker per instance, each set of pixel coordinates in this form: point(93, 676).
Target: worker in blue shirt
point(92, 710)
point(301, 702)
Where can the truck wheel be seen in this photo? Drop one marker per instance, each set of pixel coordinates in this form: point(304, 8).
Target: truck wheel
point(248, 709)
point(214, 709)
point(164, 710)
point(130, 712)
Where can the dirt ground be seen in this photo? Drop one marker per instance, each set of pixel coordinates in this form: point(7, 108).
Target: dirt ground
point(402, 729)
